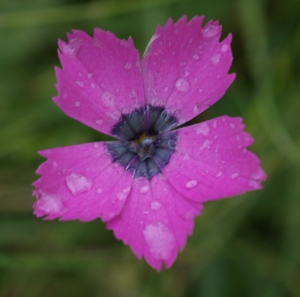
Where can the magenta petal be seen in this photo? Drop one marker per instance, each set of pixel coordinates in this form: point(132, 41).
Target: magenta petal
point(155, 221)
point(185, 68)
point(211, 161)
point(80, 182)
point(100, 80)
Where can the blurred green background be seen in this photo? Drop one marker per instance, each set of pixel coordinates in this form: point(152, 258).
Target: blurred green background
point(245, 246)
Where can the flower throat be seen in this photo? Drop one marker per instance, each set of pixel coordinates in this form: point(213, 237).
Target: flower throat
point(145, 142)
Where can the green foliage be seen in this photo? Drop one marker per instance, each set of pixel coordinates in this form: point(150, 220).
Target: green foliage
point(245, 246)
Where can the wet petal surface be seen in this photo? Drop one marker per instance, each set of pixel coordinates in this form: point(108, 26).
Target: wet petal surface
point(80, 182)
point(211, 161)
point(155, 221)
point(185, 67)
point(100, 80)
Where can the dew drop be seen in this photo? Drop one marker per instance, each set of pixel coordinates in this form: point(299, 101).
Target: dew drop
point(234, 175)
point(96, 145)
point(210, 31)
point(89, 75)
point(215, 59)
point(160, 240)
point(76, 103)
point(206, 144)
point(54, 164)
point(186, 157)
point(127, 66)
point(80, 83)
point(132, 94)
point(196, 57)
point(123, 195)
point(215, 124)
point(99, 122)
point(191, 184)
point(202, 128)
point(196, 108)
point(232, 125)
point(190, 40)
point(219, 174)
point(182, 85)
point(185, 73)
point(78, 184)
point(144, 189)
point(50, 203)
point(72, 47)
point(165, 89)
point(108, 99)
point(155, 205)
point(99, 191)
point(93, 86)
point(224, 48)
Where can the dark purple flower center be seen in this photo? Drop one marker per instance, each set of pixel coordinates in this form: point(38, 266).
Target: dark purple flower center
point(146, 143)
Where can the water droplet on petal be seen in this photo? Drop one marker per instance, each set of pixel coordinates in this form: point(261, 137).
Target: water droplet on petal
point(215, 59)
point(165, 89)
point(210, 31)
point(191, 184)
point(185, 73)
point(108, 99)
point(196, 108)
point(49, 203)
point(127, 66)
point(206, 144)
point(72, 47)
point(93, 86)
point(96, 145)
point(219, 174)
point(196, 57)
point(89, 75)
point(224, 48)
point(99, 191)
point(186, 157)
point(80, 83)
point(182, 85)
point(123, 195)
point(132, 94)
point(232, 125)
point(215, 124)
point(202, 128)
point(54, 164)
point(78, 184)
point(160, 240)
point(144, 189)
point(99, 122)
point(155, 205)
point(234, 175)
point(76, 103)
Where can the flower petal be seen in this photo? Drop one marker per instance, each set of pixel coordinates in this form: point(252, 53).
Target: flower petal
point(187, 63)
point(155, 221)
point(211, 161)
point(80, 182)
point(100, 79)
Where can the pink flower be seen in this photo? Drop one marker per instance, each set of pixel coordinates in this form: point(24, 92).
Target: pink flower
point(148, 185)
